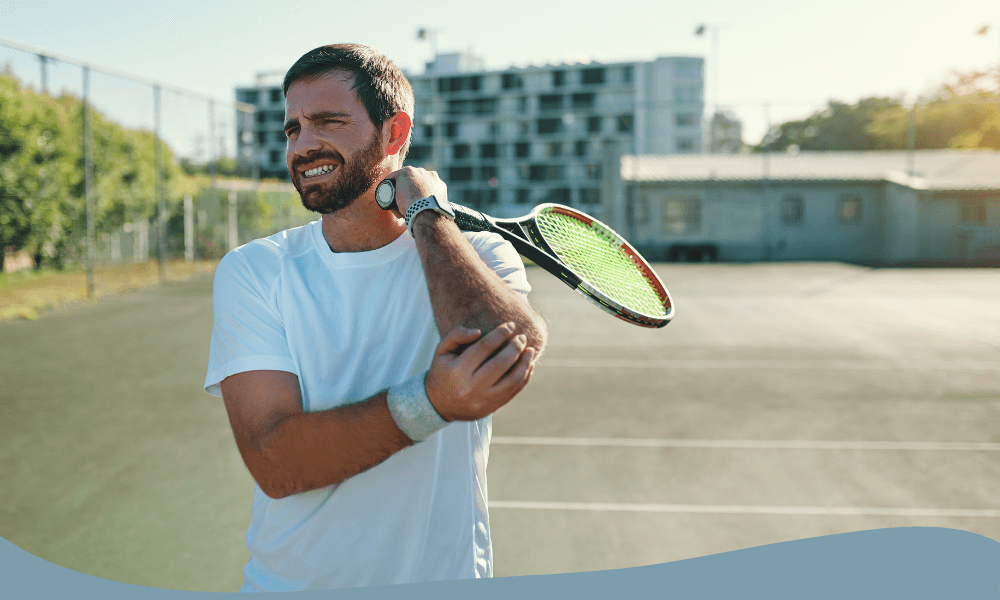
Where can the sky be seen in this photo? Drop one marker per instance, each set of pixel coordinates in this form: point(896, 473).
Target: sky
point(792, 55)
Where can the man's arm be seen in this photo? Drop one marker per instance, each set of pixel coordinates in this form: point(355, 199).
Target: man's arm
point(463, 289)
point(288, 451)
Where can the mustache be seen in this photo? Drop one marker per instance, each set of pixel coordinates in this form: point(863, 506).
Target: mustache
point(300, 161)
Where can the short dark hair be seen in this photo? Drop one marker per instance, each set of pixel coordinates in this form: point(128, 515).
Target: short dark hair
point(380, 85)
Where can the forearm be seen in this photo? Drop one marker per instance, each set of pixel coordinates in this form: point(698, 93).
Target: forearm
point(307, 451)
point(463, 290)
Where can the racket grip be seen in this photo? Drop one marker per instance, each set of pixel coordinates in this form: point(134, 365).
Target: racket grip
point(468, 219)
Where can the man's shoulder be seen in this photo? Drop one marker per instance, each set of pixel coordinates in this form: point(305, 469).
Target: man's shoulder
point(264, 256)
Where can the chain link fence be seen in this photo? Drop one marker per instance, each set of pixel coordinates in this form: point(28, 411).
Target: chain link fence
point(107, 172)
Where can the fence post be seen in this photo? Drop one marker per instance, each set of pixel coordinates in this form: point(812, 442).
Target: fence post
point(188, 229)
point(88, 191)
point(233, 238)
point(161, 226)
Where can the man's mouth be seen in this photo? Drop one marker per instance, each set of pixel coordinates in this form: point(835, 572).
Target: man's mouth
point(316, 172)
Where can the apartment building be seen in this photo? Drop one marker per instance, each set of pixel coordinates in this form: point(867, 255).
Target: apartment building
point(509, 139)
point(505, 140)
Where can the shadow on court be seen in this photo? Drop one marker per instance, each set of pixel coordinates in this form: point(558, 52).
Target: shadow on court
point(748, 420)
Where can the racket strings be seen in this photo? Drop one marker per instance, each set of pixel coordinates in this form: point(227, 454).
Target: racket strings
point(596, 255)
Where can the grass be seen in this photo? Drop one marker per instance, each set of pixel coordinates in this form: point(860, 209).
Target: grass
point(27, 294)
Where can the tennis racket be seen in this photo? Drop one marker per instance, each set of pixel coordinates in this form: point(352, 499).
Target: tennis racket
point(584, 253)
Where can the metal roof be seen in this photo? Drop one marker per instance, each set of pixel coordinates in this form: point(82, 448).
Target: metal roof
point(932, 169)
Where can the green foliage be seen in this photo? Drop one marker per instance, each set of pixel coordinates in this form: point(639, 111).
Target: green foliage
point(42, 189)
point(962, 114)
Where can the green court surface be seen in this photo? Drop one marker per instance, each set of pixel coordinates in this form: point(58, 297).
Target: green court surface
point(785, 401)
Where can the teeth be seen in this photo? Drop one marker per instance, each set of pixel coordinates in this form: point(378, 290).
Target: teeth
point(319, 171)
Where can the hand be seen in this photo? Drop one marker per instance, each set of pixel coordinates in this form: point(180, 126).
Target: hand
point(469, 384)
point(414, 184)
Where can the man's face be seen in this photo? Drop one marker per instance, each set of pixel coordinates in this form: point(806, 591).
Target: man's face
point(334, 152)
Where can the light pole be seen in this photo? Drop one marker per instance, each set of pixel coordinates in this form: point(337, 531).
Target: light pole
point(983, 31)
point(714, 64)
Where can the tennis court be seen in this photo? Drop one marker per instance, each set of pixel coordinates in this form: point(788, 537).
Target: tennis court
point(784, 402)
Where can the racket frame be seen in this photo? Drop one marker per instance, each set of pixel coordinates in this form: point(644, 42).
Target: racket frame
point(524, 234)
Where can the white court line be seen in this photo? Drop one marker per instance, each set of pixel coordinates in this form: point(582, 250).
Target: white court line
point(747, 510)
point(819, 364)
point(742, 444)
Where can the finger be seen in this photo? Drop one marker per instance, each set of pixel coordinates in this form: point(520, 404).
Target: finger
point(517, 377)
point(493, 369)
point(480, 352)
point(457, 337)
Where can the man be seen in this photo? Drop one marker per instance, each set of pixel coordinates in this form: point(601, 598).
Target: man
point(367, 433)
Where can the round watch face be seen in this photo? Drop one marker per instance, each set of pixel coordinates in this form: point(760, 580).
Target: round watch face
point(385, 194)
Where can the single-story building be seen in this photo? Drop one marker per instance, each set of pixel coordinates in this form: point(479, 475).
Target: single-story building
point(879, 208)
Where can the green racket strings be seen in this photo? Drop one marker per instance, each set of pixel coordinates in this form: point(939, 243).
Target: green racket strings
point(599, 260)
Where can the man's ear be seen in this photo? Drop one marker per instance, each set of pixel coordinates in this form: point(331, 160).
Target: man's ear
point(399, 131)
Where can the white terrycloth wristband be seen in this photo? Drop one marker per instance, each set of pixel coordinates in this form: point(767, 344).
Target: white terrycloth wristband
point(412, 409)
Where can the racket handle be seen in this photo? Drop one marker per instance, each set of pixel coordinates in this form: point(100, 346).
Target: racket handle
point(468, 219)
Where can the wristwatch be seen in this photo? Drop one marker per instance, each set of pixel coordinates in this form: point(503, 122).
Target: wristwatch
point(428, 203)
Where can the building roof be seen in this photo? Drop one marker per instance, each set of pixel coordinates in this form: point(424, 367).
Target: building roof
point(933, 169)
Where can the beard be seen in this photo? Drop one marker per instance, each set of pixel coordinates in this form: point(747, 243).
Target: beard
point(355, 177)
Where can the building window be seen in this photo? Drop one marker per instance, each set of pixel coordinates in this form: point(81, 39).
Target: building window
point(418, 152)
point(553, 149)
point(583, 100)
point(590, 196)
point(522, 196)
point(450, 129)
point(275, 156)
point(280, 137)
point(428, 131)
point(627, 74)
point(487, 172)
point(262, 137)
point(249, 97)
point(460, 174)
point(462, 151)
point(544, 172)
point(278, 116)
point(580, 148)
point(849, 209)
point(594, 125)
point(484, 106)
point(522, 150)
point(548, 126)
point(558, 78)
point(625, 123)
point(511, 81)
point(684, 119)
point(488, 150)
point(261, 117)
point(592, 76)
point(276, 95)
point(685, 144)
point(682, 215)
point(594, 171)
point(550, 102)
point(459, 84)
point(792, 210)
point(973, 212)
point(558, 196)
point(522, 104)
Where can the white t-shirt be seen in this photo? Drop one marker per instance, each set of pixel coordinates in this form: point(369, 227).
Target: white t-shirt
point(350, 325)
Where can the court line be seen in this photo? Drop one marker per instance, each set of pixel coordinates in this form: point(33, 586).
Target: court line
point(824, 364)
point(742, 444)
point(747, 510)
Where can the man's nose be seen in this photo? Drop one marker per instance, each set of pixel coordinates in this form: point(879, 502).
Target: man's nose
point(307, 142)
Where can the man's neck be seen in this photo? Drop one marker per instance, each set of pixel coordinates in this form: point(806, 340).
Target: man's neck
point(362, 226)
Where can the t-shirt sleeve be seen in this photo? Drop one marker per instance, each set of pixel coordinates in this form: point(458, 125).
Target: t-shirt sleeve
point(247, 330)
point(500, 255)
